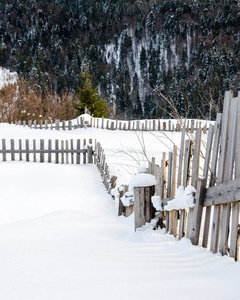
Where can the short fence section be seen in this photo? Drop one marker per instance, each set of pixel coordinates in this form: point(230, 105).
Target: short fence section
point(134, 125)
point(57, 151)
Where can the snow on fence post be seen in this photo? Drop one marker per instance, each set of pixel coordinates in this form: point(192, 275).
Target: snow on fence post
point(143, 186)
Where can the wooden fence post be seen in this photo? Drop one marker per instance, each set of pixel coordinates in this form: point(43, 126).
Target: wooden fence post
point(90, 152)
point(143, 208)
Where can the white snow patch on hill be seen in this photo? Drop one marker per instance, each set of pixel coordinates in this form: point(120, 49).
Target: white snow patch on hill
point(7, 77)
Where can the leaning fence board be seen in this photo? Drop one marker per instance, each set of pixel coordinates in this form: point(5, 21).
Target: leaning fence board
point(196, 157)
point(186, 162)
point(182, 224)
point(223, 246)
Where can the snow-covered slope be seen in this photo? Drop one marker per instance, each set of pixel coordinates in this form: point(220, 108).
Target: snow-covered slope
point(7, 77)
point(60, 237)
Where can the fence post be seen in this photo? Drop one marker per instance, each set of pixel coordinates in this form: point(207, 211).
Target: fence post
point(143, 208)
point(90, 152)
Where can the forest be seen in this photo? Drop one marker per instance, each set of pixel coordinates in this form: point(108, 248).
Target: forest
point(139, 53)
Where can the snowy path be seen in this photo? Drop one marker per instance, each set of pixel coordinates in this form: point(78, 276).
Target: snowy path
point(60, 238)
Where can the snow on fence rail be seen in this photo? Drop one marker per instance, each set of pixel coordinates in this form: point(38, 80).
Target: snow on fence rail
point(134, 125)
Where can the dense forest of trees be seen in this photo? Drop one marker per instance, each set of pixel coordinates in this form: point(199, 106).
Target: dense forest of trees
point(188, 50)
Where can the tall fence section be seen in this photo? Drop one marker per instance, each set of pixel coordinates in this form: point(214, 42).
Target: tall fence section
point(213, 222)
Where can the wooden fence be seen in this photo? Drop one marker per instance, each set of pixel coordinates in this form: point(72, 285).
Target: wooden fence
point(214, 221)
point(135, 125)
point(58, 151)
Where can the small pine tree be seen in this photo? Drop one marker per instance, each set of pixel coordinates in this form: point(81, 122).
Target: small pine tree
point(87, 96)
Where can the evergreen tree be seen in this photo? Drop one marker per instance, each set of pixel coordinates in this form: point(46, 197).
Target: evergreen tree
point(87, 96)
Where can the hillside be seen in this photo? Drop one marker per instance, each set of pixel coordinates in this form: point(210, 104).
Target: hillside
point(188, 50)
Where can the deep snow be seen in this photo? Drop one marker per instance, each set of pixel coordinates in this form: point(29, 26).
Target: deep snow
point(60, 237)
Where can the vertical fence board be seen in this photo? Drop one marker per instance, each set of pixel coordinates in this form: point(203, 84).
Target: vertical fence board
point(20, 148)
point(72, 156)
point(78, 154)
point(56, 154)
point(180, 164)
point(27, 149)
point(34, 148)
point(196, 158)
point(4, 155)
point(12, 148)
point(66, 144)
point(49, 153)
point(42, 151)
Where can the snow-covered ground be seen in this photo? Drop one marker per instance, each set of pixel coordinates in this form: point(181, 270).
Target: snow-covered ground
point(60, 237)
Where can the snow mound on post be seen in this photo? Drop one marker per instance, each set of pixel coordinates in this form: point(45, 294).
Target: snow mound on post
point(157, 202)
point(142, 180)
point(184, 199)
point(141, 169)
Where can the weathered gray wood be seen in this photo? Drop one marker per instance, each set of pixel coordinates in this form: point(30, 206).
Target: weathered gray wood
point(213, 176)
point(167, 222)
point(90, 152)
point(63, 125)
point(62, 154)
point(102, 122)
point(159, 125)
point(186, 165)
point(97, 123)
point(196, 157)
point(154, 125)
point(164, 128)
point(49, 148)
point(180, 164)
point(72, 155)
point(223, 193)
point(208, 151)
point(234, 238)
point(169, 125)
point(194, 230)
point(175, 231)
point(30, 123)
point(67, 148)
point(84, 155)
point(214, 245)
point(230, 156)
point(182, 224)
point(20, 148)
point(46, 124)
point(169, 187)
point(192, 126)
point(27, 149)
point(40, 124)
point(78, 154)
point(34, 148)
point(69, 125)
point(12, 148)
point(129, 125)
point(171, 222)
point(163, 177)
point(4, 155)
point(42, 151)
point(143, 209)
point(224, 136)
point(174, 171)
point(56, 153)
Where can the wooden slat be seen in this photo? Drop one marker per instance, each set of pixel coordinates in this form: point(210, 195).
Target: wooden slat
point(169, 187)
point(180, 164)
point(175, 231)
point(20, 148)
point(56, 153)
point(42, 151)
point(174, 171)
point(4, 155)
point(182, 224)
point(186, 165)
point(196, 157)
point(12, 149)
point(230, 156)
point(67, 148)
point(49, 148)
point(78, 154)
point(195, 224)
point(27, 149)
point(72, 155)
point(34, 148)
point(84, 155)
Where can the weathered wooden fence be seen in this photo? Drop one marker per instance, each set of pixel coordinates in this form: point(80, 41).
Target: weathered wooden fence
point(135, 125)
point(214, 221)
point(58, 151)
